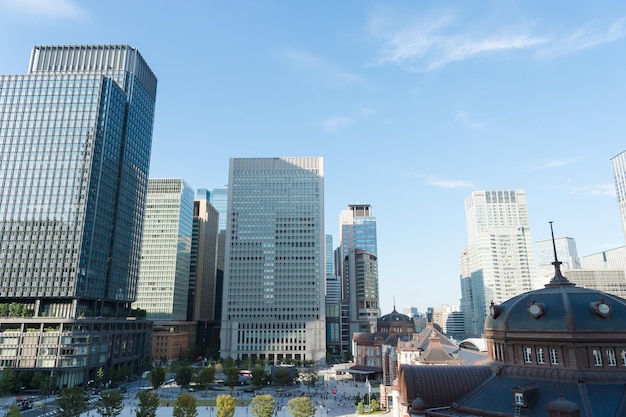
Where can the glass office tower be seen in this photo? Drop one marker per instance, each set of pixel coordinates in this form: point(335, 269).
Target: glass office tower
point(75, 140)
point(274, 274)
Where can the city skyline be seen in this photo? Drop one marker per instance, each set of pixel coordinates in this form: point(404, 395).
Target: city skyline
point(412, 106)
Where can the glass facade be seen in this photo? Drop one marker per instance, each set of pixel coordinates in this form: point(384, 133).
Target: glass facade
point(163, 287)
point(75, 140)
point(274, 273)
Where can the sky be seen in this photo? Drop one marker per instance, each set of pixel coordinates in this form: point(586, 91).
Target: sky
point(412, 104)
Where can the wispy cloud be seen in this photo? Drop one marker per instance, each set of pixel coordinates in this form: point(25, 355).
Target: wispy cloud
point(446, 183)
point(319, 67)
point(555, 163)
point(600, 190)
point(467, 122)
point(592, 35)
point(51, 9)
point(336, 123)
point(425, 45)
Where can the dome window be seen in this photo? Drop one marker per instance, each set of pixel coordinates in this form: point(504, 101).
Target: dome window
point(535, 310)
point(495, 310)
point(601, 308)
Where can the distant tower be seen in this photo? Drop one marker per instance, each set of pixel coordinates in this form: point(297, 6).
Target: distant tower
point(163, 287)
point(619, 175)
point(274, 277)
point(500, 260)
point(566, 253)
point(359, 269)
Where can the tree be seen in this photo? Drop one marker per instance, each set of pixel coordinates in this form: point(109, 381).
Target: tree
point(283, 377)
point(225, 406)
point(185, 406)
point(110, 403)
point(14, 411)
point(357, 399)
point(263, 405)
point(148, 404)
point(4, 310)
point(360, 408)
point(183, 376)
point(259, 377)
point(7, 383)
point(232, 376)
point(206, 376)
point(73, 401)
point(301, 407)
point(157, 377)
point(309, 378)
point(374, 404)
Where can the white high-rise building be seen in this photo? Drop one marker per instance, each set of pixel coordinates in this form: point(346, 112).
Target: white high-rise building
point(163, 286)
point(566, 254)
point(500, 261)
point(274, 274)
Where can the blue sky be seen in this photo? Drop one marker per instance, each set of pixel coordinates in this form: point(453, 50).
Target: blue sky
point(413, 105)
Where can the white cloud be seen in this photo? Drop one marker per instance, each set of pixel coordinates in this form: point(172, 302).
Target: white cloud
point(423, 46)
point(446, 183)
point(603, 190)
point(592, 35)
point(318, 66)
point(556, 163)
point(53, 9)
point(467, 122)
point(336, 123)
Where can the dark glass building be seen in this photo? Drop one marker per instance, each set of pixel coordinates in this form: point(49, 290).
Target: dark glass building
point(75, 141)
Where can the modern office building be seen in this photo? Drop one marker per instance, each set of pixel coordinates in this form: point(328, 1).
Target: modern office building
point(274, 276)
point(219, 200)
point(618, 163)
point(566, 253)
point(163, 286)
point(359, 266)
point(75, 142)
point(608, 259)
point(499, 262)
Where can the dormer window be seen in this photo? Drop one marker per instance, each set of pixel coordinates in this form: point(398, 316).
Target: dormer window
point(535, 310)
point(601, 308)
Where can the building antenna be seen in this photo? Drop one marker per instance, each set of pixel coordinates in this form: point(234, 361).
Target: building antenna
point(558, 279)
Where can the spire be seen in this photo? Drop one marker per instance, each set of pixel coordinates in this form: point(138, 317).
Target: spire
point(559, 279)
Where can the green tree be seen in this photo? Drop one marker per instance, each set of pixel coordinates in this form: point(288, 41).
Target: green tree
point(183, 376)
point(309, 378)
point(357, 399)
point(14, 411)
point(15, 309)
point(263, 405)
point(360, 408)
point(259, 377)
point(225, 406)
point(185, 406)
point(283, 377)
point(4, 309)
point(148, 404)
point(232, 376)
point(301, 407)
point(73, 401)
point(374, 404)
point(7, 383)
point(206, 376)
point(110, 403)
point(157, 377)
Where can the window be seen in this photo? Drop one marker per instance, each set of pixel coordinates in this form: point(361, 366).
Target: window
point(623, 355)
point(610, 355)
point(528, 355)
point(554, 356)
point(597, 357)
point(540, 356)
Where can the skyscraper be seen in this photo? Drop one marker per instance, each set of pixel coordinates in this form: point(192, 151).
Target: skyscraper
point(163, 287)
point(274, 262)
point(359, 269)
point(618, 163)
point(498, 263)
point(75, 141)
point(566, 254)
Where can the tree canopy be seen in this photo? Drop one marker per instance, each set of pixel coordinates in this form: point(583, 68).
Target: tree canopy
point(263, 405)
point(225, 406)
point(301, 407)
point(73, 401)
point(148, 404)
point(14, 411)
point(259, 377)
point(185, 406)
point(232, 376)
point(309, 377)
point(110, 403)
point(206, 376)
point(183, 376)
point(157, 377)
